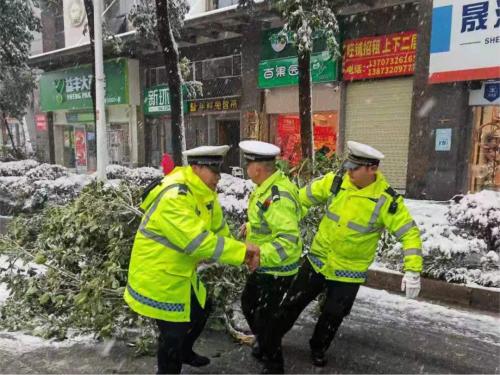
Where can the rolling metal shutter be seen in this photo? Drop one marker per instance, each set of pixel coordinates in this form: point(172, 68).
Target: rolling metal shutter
point(378, 113)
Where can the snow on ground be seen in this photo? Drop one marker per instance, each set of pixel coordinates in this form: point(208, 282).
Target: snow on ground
point(382, 305)
point(19, 342)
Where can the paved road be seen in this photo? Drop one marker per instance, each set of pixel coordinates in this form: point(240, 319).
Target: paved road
point(385, 333)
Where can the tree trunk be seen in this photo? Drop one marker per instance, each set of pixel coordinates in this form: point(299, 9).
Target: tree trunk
point(15, 152)
point(305, 110)
point(171, 57)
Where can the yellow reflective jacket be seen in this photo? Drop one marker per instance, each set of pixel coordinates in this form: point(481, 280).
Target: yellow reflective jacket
point(183, 225)
point(274, 213)
point(346, 242)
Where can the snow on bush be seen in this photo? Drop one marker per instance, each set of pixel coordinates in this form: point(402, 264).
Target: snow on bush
point(46, 172)
point(456, 243)
point(17, 168)
point(479, 215)
point(137, 176)
point(233, 197)
point(27, 186)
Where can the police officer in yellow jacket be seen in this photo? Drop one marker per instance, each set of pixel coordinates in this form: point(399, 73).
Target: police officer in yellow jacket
point(274, 212)
point(182, 226)
point(359, 205)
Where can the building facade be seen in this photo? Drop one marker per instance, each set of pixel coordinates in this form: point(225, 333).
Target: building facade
point(396, 86)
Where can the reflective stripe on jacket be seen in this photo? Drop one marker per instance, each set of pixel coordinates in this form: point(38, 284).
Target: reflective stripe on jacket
point(183, 225)
point(273, 224)
point(346, 242)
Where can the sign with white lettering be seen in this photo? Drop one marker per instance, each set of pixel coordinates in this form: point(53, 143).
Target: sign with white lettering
point(70, 89)
point(465, 40)
point(285, 71)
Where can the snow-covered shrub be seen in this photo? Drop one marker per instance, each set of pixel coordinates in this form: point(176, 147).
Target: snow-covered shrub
point(27, 186)
point(233, 197)
point(137, 176)
point(17, 168)
point(479, 215)
point(46, 172)
point(451, 252)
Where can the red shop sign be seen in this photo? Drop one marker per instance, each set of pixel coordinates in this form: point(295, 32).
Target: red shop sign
point(381, 56)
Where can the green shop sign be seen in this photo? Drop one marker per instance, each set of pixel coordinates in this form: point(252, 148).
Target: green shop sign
point(285, 71)
point(70, 89)
point(157, 101)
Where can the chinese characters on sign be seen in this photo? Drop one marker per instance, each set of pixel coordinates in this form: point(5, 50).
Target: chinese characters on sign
point(465, 40)
point(70, 89)
point(475, 16)
point(281, 71)
point(220, 104)
point(382, 56)
point(157, 100)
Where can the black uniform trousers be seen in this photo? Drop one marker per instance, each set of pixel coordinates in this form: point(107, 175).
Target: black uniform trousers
point(176, 340)
point(306, 286)
point(261, 298)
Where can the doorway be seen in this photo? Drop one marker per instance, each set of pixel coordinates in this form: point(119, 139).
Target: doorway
point(229, 134)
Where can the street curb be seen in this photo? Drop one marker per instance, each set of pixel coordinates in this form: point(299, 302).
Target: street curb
point(437, 290)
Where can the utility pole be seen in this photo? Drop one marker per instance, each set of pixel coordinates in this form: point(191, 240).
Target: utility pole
point(100, 83)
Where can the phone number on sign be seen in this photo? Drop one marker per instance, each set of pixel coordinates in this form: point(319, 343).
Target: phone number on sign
point(399, 69)
point(388, 61)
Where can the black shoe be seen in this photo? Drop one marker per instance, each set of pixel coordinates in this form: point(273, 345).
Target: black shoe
point(272, 368)
point(257, 351)
point(318, 358)
point(196, 360)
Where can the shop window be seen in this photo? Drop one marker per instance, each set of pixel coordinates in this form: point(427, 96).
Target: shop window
point(485, 163)
point(118, 145)
point(161, 74)
point(288, 134)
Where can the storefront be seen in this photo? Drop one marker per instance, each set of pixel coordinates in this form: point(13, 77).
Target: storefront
point(215, 121)
point(65, 95)
point(379, 95)
point(158, 123)
point(207, 121)
point(485, 156)
point(457, 38)
point(278, 76)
